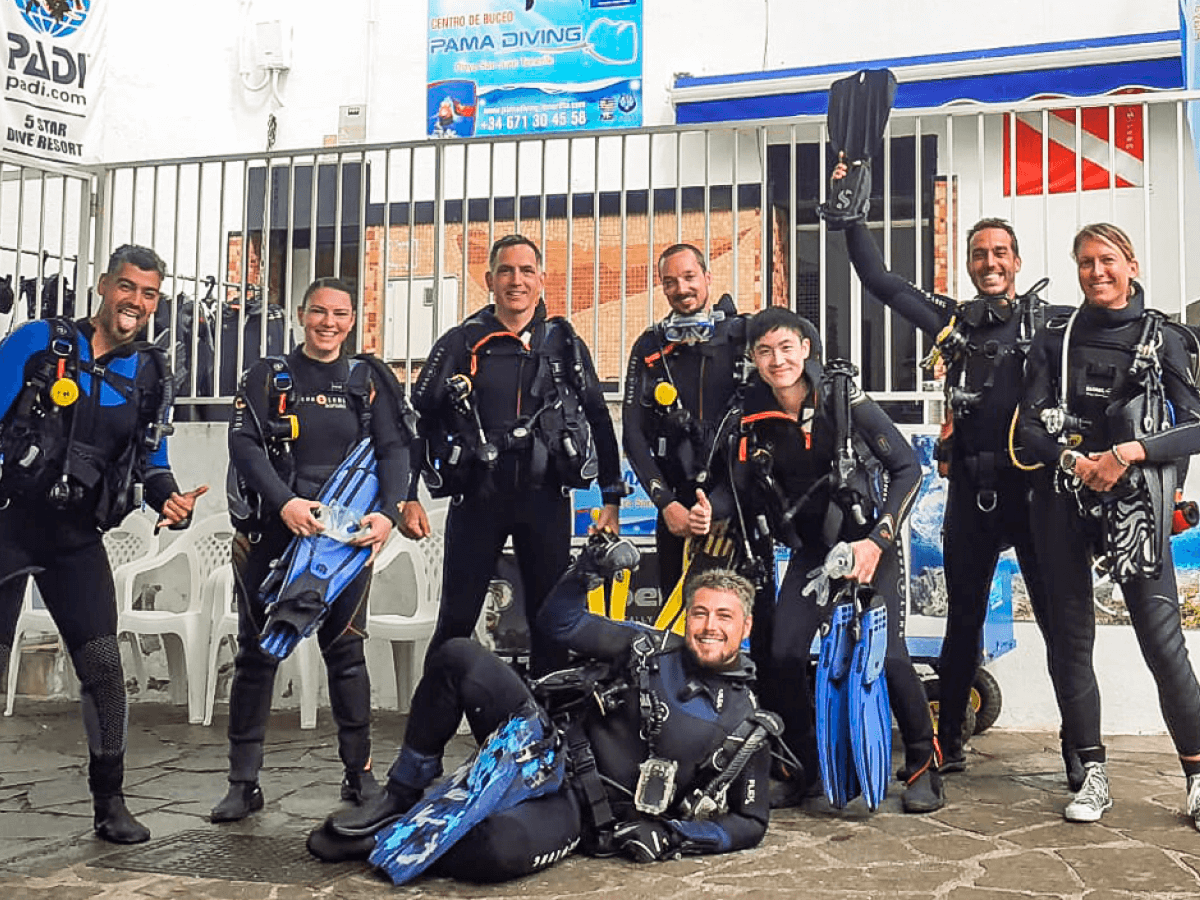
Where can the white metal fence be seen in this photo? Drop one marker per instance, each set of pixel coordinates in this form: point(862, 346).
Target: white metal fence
point(409, 225)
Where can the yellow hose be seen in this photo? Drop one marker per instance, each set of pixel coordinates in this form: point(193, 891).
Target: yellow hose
point(1012, 447)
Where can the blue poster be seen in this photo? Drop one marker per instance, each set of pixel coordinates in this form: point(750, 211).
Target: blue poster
point(506, 67)
point(1189, 33)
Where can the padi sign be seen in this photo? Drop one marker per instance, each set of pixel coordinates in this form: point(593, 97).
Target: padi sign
point(56, 18)
point(52, 79)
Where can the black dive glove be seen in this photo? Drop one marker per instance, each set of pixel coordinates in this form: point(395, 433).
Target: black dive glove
point(646, 841)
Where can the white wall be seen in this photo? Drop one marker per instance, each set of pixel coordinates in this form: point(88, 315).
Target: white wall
point(173, 87)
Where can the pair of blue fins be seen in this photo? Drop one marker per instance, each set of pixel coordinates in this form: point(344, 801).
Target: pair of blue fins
point(314, 570)
point(853, 716)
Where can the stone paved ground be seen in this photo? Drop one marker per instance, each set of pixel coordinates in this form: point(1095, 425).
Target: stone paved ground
point(1001, 836)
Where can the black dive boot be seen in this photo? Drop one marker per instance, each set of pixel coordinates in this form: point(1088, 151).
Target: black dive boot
point(953, 757)
point(113, 821)
point(384, 809)
point(360, 787)
point(924, 792)
point(243, 798)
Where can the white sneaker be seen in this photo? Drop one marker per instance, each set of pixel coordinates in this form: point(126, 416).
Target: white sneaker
point(1093, 798)
point(1193, 800)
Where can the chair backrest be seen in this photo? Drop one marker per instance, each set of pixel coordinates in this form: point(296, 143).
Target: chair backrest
point(210, 540)
point(219, 601)
point(433, 550)
point(133, 539)
point(400, 583)
point(184, 564)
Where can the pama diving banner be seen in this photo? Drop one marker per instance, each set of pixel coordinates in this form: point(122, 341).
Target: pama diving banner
point(506, 67)
point(53, 79)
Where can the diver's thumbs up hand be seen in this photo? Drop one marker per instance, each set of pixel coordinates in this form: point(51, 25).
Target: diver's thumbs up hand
point(700, 515)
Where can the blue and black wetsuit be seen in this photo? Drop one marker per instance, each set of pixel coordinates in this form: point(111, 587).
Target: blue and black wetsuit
point(62, 543)
point(329, 426)
point(988, 502)
point(702, 708)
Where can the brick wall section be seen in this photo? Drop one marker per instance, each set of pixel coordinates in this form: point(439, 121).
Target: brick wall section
point(941, 281)
point(595, 279)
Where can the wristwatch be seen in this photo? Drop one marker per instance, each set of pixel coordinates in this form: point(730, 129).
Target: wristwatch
point(1067, 461)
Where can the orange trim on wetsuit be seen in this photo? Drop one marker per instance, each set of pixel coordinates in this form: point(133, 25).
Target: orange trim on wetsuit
point(488, 337)
point(772, 414)
point(653, 358)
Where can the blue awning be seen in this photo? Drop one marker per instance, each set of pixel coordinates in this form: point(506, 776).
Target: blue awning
point(1087, 68)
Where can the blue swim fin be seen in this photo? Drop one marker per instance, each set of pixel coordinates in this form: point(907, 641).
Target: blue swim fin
point(314, 570)
point(522, 759)
point(870, 715)
point(838, 775)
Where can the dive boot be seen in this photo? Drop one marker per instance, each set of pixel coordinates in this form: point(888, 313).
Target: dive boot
point(383, 809)
point(243, 798)
point(953, 758)
point(113, 822)
point(924, 793)
point(359, 787)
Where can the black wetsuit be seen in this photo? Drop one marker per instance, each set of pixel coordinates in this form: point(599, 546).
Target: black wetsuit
point(1100, 353)
point(702, 707)
point(988, 501)
point(521, 495)
point(669, 449)
point(784, 627)
point(75, 579)
point(329, 426)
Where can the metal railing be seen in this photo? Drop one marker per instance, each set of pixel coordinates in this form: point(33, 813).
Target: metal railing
point(409, 225)
point(45, 230)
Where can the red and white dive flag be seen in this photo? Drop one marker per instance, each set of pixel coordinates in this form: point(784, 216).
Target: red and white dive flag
point(1100, 159)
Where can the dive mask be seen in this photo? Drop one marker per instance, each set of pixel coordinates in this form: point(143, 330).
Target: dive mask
point(693, 329)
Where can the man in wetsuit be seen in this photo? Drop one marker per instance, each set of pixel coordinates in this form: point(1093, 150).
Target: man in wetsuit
point(683, 373)
point(982, 343)
point(506, 398)
point(776, 464)
point(668, 701)
point(85, 411)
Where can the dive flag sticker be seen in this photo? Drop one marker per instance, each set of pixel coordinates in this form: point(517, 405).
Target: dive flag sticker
point(1075, 138)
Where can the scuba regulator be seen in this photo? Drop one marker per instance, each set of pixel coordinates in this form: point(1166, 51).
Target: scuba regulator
point(459, 390)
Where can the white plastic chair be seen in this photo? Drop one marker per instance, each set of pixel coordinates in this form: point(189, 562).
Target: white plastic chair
point(178, 570)
point(413, 569)
point(305, 659)
point(132, 540)
point(33, 619)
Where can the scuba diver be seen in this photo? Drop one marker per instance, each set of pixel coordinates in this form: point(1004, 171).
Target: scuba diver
point(1111, 410)
point(683, 374)
point(295, 420)
point(666, 750)
point(85, 416)
point(810, 461)
point(982, 344)
point(512, 417)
